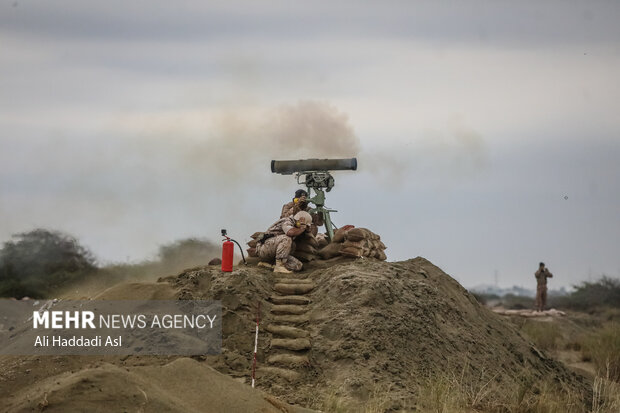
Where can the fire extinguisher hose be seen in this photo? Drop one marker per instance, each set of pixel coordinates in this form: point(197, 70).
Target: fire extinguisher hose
point(240, 249)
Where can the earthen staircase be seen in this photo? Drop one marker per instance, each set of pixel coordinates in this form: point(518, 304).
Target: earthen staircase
point(287, 322)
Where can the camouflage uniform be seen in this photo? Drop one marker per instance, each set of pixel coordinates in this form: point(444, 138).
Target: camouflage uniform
point(280, 245)
point(291, 208)
point(541, 288)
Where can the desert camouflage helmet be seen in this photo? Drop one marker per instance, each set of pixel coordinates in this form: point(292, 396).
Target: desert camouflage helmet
point(303, 217)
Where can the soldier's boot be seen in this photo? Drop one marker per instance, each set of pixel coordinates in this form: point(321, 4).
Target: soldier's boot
point(265, 265)
point(281, 268)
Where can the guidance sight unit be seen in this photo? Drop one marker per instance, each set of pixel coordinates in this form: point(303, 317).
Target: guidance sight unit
point(316, 176)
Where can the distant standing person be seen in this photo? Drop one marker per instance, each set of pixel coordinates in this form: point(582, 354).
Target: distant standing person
point(541, 288)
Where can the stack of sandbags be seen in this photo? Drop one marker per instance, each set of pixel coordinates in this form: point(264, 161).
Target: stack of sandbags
point(306, 246)
point(341, 232)
point(362, 242)
point(252, 244)
point(354, 242)
point(332, 249)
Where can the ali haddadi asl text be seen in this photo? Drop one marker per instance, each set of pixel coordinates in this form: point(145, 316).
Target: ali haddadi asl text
point(81, 341)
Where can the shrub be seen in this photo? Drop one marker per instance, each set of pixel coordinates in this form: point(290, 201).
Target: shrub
point(38, 262)
point(591, 295)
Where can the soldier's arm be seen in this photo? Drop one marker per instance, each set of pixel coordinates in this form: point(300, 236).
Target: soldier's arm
point(293, 232)
point(549, 275)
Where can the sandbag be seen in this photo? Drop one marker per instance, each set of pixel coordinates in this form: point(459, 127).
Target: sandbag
point(358, 244)
point(378, 244)
point(358, 234)
point(304, 256)
point(256, 235)
point(252, 243)
point(321, 240)
point(340, 232)
point(330, 251)
point(310, 240)
point(379, 254)
point(307, 248)
point(252, 252)
point(352, 252)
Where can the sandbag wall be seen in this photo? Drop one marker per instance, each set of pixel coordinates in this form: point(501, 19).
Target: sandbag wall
point(306, 246)
point(354, 242)
point(252, 244)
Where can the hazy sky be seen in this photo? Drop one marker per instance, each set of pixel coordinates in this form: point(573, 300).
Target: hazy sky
point(487, 132)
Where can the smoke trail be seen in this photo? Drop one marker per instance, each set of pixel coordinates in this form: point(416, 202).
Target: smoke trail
point(447, 154)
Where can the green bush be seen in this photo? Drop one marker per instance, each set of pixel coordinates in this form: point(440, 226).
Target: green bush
point(38, 262)
point(591, 295)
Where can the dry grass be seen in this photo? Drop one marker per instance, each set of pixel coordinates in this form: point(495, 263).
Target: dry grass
point(379, 400)
point(469, 391)
point(547, 336)
point(603, 349)
point(606, 395)
point(480, 392)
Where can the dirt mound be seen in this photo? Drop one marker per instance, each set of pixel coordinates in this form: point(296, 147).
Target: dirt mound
point(336, 336)
point(373, 327)
point(138, 291)
point(183, 385)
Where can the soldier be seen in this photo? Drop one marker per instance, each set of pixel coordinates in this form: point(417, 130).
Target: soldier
point(541, 289)
point(300, 203)
point(277, 242)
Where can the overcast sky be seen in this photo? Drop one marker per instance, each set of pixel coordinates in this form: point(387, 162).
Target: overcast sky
point(487, 132)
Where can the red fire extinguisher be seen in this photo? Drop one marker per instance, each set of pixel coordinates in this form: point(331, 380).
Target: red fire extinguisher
point(228, 248)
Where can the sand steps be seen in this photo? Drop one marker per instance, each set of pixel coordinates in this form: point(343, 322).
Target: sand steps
point(294, 281)
point(288, 309)
point(291, 319)
point(289, 299)
point(289, 360)
point(287, 331)
point(294, 344)
point(290, 342)
point(293, 289)
point(287, 374)
point(293, 276)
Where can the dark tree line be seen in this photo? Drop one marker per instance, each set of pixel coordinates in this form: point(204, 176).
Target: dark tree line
point(37, 262)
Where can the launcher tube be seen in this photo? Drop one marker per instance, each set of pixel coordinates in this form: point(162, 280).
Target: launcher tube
point(306, 165)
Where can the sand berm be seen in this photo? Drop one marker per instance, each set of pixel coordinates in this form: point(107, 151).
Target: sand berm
point(344, 329)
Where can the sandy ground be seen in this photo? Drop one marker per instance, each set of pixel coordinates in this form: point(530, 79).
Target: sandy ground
point(369, 327)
